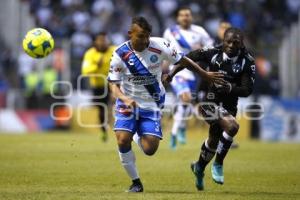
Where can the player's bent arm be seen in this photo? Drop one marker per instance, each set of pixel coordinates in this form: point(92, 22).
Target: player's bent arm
point(174, 71)
point(186, 62)
point(191, 65)
point(245, 89)
point(117, 93)
point(247, 82)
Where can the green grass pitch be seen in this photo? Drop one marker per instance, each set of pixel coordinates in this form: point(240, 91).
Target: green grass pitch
point(79, 166)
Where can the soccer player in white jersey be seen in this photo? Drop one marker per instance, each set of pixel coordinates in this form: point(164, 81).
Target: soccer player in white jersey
point(135, 81)
point(186, 37)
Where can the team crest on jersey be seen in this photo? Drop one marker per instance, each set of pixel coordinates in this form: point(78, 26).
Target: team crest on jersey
point(236, 68)
point(153, 58)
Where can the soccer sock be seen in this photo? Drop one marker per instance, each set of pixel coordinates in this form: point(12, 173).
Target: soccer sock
point(175, 128)
point(178, 119)
point(188, 110)
point(128, 162)
point(223, 147)
point(137, 139)
point(206, 155)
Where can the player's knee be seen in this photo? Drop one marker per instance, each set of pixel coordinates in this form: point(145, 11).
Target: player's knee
point(150, 151)
point(233, 128)
point(150, 145)
point(124, 141)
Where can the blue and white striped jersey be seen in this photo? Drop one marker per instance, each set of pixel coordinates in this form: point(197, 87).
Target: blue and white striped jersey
point(139, 73)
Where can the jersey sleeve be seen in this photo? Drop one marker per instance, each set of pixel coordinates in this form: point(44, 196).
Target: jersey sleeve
point(251, 70)
point(206, 40)
point(117, 70)
point(170, 38)
point(170, 52)
point(167, 34)
point(88, 64)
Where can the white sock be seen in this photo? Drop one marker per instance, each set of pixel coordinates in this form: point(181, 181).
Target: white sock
point(128, 162)
point(178, 119)
point(175, 127)
point(137, 139)
point(227, 137)
point(188, 111)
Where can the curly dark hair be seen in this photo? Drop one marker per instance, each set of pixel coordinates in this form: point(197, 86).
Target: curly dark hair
point(235, 31)
point(143, 23)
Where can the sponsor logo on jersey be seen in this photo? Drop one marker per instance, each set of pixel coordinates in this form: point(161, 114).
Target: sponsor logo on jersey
point(142, 80)
point(219, 64)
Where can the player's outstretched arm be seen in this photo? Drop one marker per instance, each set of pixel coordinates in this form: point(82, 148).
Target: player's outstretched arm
point(117, 93)
point(185, 62)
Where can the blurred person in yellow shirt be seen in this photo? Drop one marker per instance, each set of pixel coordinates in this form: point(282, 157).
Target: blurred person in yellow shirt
point(95, 65)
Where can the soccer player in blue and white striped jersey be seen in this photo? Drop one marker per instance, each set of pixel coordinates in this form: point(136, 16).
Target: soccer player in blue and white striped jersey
point(135, 81)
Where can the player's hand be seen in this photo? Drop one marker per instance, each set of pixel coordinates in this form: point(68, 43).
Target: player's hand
point(166, 78)
point(224, 88)
point(128, 109)
point(130, 103)
point(215, 77)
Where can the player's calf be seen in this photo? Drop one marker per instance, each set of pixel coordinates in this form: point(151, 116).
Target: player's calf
point(127, 159)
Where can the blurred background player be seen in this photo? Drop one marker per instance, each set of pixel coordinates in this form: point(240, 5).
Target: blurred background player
point(237, 65)
point(223, 26)
point(95, 65)
point(135, 80)
point(186, 37)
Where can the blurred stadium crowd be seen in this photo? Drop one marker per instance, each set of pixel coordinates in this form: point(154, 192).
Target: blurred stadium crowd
point(264, 22)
